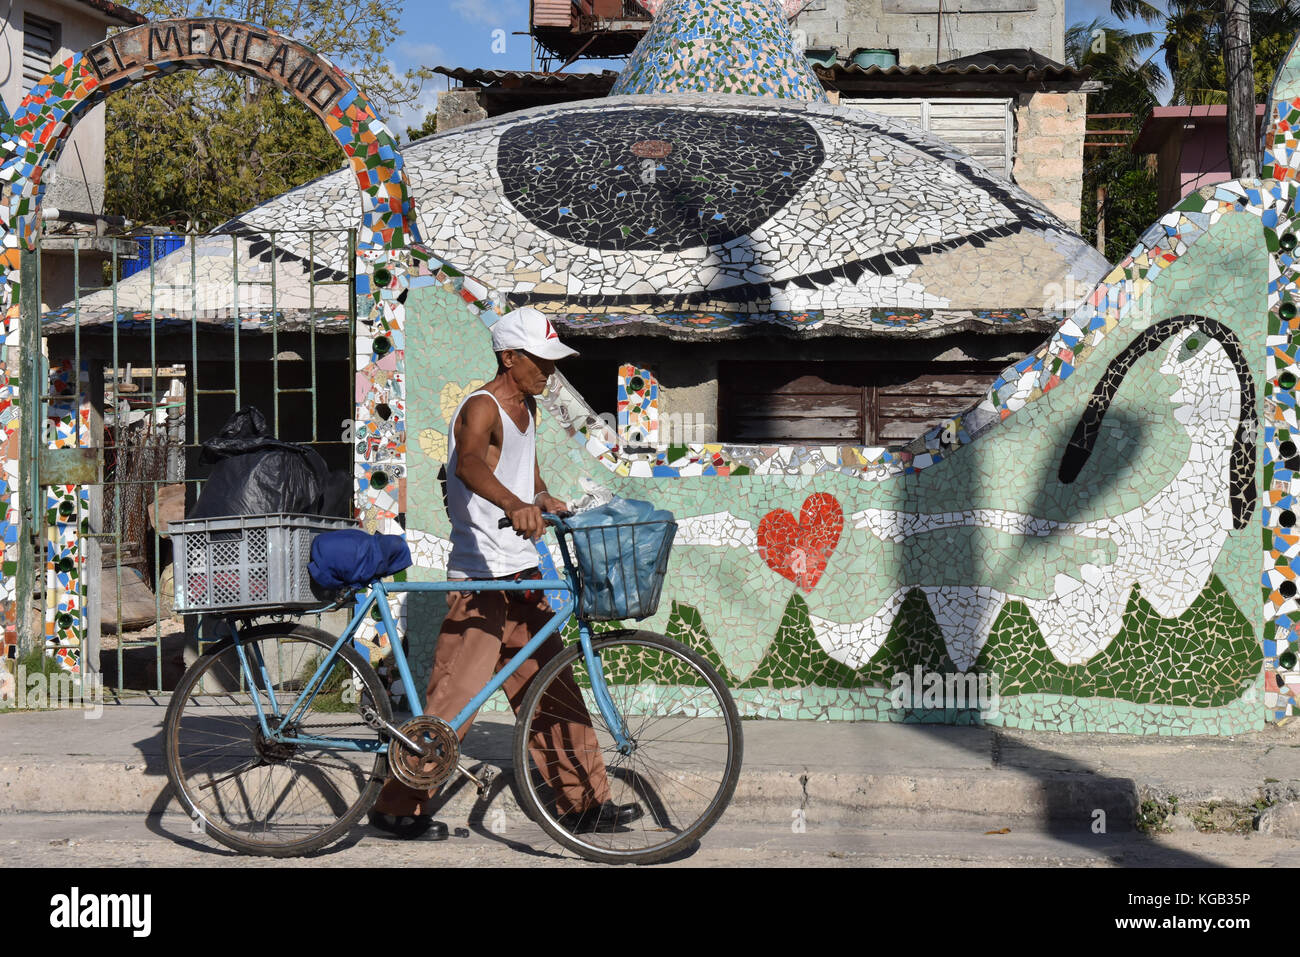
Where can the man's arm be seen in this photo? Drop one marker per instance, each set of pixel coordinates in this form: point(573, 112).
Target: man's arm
point(547, 501)
point(473, 431)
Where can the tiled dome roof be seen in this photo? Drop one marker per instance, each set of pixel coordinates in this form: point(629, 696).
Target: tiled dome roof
point(697, 215)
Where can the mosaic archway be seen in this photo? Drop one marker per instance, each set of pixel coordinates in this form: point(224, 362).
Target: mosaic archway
point(32, 138)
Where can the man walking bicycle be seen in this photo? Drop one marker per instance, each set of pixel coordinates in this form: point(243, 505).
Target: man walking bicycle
point(492, 472)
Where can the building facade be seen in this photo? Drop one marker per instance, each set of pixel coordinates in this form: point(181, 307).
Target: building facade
point(37, 35)
point(932, 31)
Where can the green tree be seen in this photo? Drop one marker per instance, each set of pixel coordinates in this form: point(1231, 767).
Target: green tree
point(1117, 58)
point(427, 128)
point(201, 147)
point(1193, 47)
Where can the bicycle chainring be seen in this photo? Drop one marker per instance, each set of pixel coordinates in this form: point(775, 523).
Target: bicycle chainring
point(441, 753)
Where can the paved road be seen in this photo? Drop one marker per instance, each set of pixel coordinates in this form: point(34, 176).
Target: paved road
point(90, 840)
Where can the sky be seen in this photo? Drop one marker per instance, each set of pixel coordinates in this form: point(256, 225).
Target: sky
point(480, 34)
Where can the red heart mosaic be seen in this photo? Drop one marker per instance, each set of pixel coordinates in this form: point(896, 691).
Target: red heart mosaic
point(800, 550)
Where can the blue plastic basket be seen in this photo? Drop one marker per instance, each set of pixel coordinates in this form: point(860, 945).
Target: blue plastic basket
point(621, 568)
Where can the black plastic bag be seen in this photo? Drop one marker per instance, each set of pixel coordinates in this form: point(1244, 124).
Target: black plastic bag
point(257, 474)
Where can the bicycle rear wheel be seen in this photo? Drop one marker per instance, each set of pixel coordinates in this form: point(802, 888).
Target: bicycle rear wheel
point(260, 796)
point(681, 771)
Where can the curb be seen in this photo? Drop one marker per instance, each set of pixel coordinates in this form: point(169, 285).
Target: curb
point(782, 796)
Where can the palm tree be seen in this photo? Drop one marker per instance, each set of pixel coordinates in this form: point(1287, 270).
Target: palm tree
point(1193, 46)
point(1135, 9)
point(1115, 57)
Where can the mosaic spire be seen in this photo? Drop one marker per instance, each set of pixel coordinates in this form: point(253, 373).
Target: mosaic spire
point(720, 46)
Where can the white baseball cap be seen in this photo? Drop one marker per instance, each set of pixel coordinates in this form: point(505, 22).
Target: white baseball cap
point(529, 330)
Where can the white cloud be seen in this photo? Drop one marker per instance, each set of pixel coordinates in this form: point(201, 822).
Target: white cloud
point(419, 54)
point(508, 14)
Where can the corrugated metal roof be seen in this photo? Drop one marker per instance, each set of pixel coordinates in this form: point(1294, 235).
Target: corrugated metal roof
point(603, 80)
point(116, 11)
point(1055, 71)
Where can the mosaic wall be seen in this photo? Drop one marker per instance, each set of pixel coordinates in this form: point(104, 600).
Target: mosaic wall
point(1096, 550)
point(1086, 533)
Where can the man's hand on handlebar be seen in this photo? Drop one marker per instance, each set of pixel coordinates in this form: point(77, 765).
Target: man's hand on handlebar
point(521, 518)
point(527, 521)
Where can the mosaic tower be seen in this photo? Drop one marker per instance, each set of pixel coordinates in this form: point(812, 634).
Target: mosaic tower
point(720, 46)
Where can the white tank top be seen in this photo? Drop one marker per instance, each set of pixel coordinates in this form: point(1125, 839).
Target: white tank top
point(478, 548)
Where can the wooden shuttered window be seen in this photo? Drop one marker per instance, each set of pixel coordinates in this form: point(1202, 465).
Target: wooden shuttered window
point(843, 403)
point(40, 42)
point(554, 13)
point(982, 127)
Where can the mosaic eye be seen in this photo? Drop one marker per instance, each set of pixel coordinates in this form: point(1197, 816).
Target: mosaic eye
point(382, 277)
point(1192, 344)
point(655, 178)
point(382, 345)
point(1287, 242)
point(1286, 380)
point(1286, 589)
point(1287, 310)
point(378, 480)
point(1286, 660)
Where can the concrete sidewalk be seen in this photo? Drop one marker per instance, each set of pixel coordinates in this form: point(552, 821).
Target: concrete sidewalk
point(834, 774)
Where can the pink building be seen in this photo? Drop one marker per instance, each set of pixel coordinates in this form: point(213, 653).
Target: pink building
point(1190, 144)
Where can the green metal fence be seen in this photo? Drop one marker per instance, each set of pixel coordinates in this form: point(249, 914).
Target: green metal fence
point(134, 374)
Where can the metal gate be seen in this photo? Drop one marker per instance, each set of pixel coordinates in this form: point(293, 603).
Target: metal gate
point(134, 372)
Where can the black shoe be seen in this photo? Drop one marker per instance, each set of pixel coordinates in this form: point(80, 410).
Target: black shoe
point(408, 826)
point(605, 818)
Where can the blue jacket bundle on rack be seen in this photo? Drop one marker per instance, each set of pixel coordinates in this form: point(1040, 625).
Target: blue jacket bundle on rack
point(350, 557)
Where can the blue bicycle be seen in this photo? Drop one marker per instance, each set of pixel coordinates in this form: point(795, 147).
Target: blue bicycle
point(281, 736)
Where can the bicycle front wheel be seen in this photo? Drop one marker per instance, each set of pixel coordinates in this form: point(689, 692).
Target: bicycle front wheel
point(680, 771)
point(258, 795)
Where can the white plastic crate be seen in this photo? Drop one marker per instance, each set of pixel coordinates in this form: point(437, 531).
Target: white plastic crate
point(246, 562)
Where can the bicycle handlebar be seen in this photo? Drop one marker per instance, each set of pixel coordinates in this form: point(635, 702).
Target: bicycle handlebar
point(548, 517)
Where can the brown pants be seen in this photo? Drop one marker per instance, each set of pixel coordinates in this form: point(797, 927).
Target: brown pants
point(481, 633)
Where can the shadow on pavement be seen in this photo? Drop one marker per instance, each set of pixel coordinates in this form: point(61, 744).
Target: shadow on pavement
point(1072, 793)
